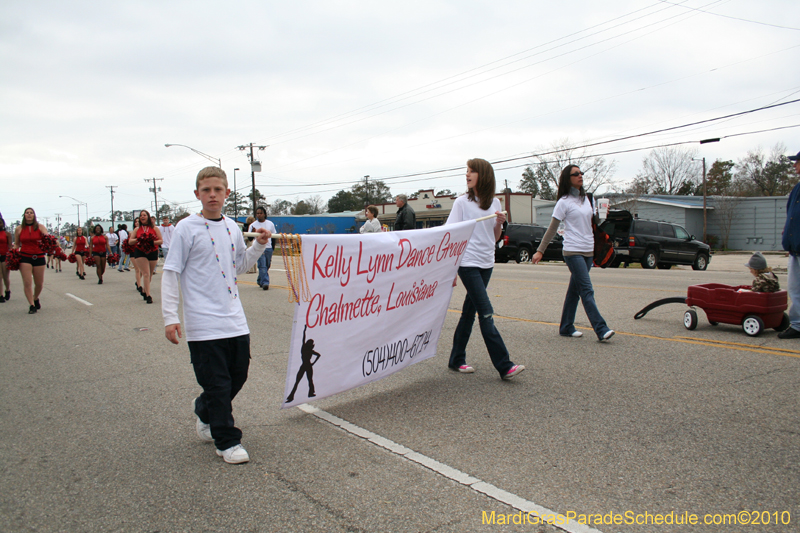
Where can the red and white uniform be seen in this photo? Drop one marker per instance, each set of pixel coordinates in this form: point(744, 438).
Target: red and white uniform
point(29, 242)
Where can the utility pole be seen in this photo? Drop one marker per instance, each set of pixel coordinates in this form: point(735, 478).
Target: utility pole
point(58, 224)
point(366, 183)
point(112, 203)
point(155, 190)
point(255, 166)
point(235, 197)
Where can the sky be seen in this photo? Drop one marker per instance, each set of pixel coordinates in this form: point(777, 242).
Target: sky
point(91, 92)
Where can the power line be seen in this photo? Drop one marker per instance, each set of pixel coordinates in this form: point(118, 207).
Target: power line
point(730, 17)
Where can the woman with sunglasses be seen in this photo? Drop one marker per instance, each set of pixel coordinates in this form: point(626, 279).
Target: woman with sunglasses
point(575, 210)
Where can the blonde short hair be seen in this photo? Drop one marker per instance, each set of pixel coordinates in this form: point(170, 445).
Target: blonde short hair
point(211, 172)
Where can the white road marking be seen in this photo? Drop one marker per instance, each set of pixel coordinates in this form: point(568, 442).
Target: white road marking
point(84, 302)
point(526, 506)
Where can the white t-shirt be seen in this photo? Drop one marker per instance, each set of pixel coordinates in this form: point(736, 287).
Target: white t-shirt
point(577, 219)
point(267, 225)
point(112, 238)
point(480, 249)
point(370, 226)
point(209, 310)
point(122, 235)
point(166, 235)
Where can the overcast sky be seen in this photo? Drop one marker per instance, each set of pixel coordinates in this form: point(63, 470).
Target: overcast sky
point(91, 91)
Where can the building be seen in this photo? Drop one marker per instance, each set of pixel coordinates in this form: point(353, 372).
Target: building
point(433, 210)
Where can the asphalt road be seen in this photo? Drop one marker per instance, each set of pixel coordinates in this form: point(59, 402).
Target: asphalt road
point(98, 432)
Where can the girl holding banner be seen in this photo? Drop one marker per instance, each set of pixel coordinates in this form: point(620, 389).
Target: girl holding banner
point(476, 270)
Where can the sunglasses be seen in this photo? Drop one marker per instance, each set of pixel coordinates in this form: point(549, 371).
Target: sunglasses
point(576, 174)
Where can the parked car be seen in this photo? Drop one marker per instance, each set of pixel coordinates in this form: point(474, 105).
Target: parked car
point(520, 241)
point(653, 243)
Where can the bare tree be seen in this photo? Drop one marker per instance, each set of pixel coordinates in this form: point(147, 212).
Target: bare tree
point(725, 207)
point(670, 170)
point(771, 176)
point(541, 177)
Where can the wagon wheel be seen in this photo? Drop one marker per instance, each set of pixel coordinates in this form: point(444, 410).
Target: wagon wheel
point(690, 319)
point(785, 323)
point(752, 325)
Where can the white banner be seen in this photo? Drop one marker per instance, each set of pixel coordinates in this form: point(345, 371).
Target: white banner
point(377, 305)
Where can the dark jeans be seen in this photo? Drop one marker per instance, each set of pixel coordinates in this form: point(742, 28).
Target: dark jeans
point(580, 288)
point(476, 280)
point(220, 366)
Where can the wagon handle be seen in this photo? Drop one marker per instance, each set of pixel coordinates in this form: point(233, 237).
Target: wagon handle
point(657, 303)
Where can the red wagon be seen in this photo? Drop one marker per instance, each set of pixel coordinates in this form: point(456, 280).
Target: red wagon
point(754, 311)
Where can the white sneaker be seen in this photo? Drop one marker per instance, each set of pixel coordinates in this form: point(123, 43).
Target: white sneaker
point(203, 430)
point(234, 455)
point(608, 335)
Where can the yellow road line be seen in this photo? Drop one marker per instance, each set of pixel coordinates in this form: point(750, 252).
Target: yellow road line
point(685, 340)
point(595, 285)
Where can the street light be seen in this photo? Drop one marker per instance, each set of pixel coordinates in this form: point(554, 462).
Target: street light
point(235, 198)
point(79, 204)
point(705, 218)
point(198, 152)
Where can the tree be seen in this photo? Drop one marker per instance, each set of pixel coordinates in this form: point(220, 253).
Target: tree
point(310, 206)
point(770, 176)
point(719, 178)
point(540, 179)
point(445, 192)
point(237, 203)
point(258, 201)
point(280, 207)
point(344, 201)
point(670, 170)
point(372, 192)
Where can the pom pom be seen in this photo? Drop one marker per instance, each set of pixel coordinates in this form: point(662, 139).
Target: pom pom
point(126, 247)
point(72, 258)
point(113, 259)
point(48, 244)
point(12, 260)
point(146, 243)
point(59, 254)
point(89, 261)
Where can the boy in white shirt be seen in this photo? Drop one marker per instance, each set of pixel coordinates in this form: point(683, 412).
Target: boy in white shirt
point(206, 253)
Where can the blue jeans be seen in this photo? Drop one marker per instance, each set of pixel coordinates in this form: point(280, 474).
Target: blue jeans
point(476, 280)
point(124, 260)
point(580, 288)
point(264, 262)
point(793, 289)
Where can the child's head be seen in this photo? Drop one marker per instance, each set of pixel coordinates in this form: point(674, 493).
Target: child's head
point(211, 172)
point(757, 264)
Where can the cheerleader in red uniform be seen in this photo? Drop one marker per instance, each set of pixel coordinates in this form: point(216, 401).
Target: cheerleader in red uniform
point(5, 240)
point(32, 261)
point(79, 249)
point(145, 253)
point(100, 250)
point(137, 275)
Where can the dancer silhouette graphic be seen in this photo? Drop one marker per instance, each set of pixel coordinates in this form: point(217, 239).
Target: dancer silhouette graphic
point(307, 368)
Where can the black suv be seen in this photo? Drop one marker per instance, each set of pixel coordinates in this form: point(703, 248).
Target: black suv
point(654, 244)
point(520, 241)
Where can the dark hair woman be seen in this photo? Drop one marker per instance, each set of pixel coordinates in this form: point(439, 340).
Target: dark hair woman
point(145, 255)
point(100, 250)
point(32, 261)
point(476, 270)
point(575, 210)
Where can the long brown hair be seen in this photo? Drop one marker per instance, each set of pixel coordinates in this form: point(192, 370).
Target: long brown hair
point(150, 222)
point(484, 188)
point(34, 224)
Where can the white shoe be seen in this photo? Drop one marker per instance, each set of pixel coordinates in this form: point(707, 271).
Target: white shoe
point(234, 455)
point(203, 430)
point(608, 335)
point(577, 334)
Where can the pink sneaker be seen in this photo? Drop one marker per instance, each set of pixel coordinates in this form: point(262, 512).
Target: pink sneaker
point(466, 369)
point(516, 369)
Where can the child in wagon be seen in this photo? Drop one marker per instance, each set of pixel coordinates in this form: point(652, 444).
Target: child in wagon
point(766, 280)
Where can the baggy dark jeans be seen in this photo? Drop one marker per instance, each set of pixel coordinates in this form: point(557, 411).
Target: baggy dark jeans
point(220, 366)
point(476, 280)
